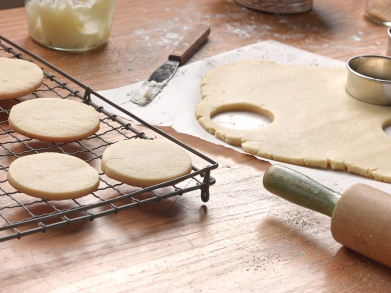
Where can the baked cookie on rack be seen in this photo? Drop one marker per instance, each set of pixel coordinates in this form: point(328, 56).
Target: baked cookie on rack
point(18, 78)
point(53, 176)
point(143, 163)
point(54, 119)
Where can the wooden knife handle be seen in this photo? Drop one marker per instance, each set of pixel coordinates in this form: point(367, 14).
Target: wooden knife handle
point(191, 42)
point(300, 189)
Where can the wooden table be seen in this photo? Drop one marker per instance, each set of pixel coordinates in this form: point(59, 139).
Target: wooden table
point(244, 239)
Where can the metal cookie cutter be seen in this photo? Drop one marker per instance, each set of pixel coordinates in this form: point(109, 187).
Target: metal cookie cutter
point(388, 53)
point(369, 79)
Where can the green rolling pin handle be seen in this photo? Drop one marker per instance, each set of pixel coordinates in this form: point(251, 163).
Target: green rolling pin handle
point(300, 189)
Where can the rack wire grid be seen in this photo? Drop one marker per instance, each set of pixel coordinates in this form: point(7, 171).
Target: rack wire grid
point(22, 215)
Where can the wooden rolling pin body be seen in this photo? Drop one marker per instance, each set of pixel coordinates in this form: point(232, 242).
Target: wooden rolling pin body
point(362, 221)
point(360, 217)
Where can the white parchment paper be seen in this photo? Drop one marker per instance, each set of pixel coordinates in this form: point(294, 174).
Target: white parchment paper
point(175, 104)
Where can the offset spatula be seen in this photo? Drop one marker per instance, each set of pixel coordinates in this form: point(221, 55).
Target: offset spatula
point(153, 85)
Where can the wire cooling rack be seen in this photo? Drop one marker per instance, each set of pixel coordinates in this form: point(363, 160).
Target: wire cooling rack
point(21, 215)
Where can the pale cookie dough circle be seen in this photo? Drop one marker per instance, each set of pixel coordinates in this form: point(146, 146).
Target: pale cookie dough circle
point(18, 78)
point(54, 119)
point(53, 176)
point(144, 163)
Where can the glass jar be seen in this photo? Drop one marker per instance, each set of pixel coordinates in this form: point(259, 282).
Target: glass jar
point(70, 25)
point(378, 11)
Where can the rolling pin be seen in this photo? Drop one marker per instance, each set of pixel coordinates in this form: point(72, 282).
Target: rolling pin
point(360, 217)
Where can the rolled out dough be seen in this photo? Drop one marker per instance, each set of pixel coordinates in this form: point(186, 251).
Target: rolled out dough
point(314, 120)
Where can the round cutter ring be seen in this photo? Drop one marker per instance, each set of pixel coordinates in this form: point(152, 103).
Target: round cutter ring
point(369, 79)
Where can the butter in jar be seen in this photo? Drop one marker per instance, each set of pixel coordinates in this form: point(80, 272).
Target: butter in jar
point(378, 11)
point(70, 25)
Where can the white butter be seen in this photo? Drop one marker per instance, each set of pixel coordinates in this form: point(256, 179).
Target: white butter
point(70, 24)
point(147, 92)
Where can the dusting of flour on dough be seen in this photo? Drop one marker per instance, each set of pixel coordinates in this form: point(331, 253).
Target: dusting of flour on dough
point(314, 121)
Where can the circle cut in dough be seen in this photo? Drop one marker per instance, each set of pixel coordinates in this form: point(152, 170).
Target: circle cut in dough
point(53, 176)
point(54, 119)
point(144, 163)
point(18, 78)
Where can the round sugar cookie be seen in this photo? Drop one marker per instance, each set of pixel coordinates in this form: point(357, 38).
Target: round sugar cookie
point(54, 119)
point(53, 176)
point(143, 163)
point(18, 78)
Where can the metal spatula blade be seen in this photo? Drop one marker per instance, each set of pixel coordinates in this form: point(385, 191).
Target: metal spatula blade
point(159, 78)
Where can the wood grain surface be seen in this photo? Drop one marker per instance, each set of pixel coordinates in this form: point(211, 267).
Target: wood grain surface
point(244, 239)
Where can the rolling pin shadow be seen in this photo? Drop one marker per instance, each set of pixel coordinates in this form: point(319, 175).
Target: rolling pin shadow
point(360, 217)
